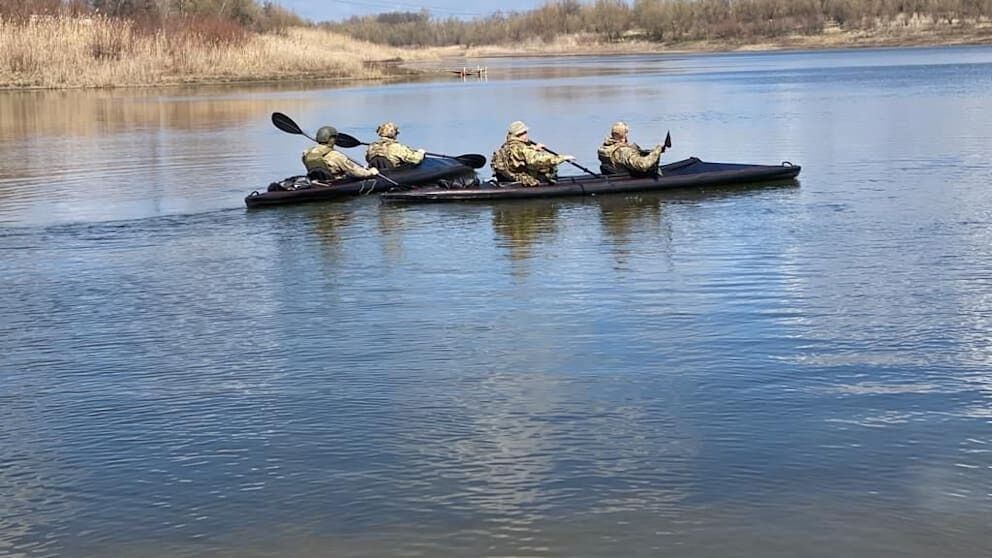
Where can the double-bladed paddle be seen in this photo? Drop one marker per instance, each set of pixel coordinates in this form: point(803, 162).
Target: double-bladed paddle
point(286, 124)
point(473, 160)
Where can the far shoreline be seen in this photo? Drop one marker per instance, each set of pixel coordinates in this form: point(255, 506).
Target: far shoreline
point(840, 41)
point(435, 61)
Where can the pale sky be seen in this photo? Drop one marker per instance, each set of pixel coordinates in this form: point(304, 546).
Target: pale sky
point(323, 10)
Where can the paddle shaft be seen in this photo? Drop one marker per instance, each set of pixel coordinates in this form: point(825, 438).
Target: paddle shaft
point(473, 160)
point(580, 167)
point(379, 175)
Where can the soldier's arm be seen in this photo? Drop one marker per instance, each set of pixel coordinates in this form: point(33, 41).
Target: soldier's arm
point(358, 171)
point(408, 155)
point(542, 159)
point(339, 160)
point(643, 163)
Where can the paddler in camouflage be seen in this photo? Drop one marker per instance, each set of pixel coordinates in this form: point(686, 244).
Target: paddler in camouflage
point(323, 159)
point(620, 154)
point(388, 149)
point(523, 161)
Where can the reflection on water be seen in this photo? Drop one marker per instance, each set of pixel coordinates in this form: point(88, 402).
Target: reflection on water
point(330, 224)
point(97, 112)
point(787, 369)
point(623, 215)
point(522, 225)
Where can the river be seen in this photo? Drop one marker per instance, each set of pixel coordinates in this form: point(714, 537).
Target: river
point(797, 369)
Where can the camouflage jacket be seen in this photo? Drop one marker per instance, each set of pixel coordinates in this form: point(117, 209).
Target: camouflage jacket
point(394, 151)
point(628, 156)
point(336, 164)
point(520, 161)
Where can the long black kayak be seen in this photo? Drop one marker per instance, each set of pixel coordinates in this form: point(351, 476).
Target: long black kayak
point(688, 173)
point(298, 189)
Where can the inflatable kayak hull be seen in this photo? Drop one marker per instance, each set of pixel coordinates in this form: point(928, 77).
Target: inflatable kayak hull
point(688, 173)
point(299, 190)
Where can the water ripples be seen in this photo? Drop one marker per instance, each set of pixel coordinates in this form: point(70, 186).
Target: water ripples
point(771, 367)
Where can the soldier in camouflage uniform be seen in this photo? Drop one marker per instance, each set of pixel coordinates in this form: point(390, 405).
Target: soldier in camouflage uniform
point(322, 159)
point(388, 149)
point(520, 160)
point(623, 156)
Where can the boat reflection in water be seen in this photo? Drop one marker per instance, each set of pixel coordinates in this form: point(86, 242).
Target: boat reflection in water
point(521, 225)
point(518, 227)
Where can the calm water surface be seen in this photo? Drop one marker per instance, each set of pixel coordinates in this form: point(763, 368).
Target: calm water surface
point(799, 369)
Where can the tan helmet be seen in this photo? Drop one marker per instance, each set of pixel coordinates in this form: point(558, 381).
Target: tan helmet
point(387, 130)
point(619, 130)
point(517, 128)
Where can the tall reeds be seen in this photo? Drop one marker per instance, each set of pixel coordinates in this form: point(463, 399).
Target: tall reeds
point(99, 51)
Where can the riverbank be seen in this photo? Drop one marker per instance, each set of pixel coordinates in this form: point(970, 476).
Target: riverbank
point(96, 52)
point(88, 52)
point(582, 44)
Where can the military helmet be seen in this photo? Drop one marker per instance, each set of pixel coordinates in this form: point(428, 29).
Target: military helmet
point(517, 128)
point(326, 134)
point(619, 130)
point(387, 130)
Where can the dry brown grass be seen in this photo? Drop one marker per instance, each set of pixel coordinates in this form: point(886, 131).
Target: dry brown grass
point(64, 51)
point(899, 32)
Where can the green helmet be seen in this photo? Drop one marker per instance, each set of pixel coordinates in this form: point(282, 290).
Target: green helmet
point(326, 134)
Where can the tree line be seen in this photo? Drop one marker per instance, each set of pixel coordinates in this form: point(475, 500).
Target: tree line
point(660, 20)
point(607, 20)
point(254, 15)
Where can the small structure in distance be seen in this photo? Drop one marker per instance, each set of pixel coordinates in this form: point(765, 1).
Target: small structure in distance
point(479, 71)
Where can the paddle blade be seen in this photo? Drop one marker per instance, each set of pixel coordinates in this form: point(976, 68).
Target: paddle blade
point(668, 140)
point(286, 124)
point(473, 160)
point(344, 140)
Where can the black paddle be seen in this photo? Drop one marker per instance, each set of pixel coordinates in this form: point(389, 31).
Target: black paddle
point(532, 142)
point(664, 146)
point(473, 160)
point(287, 125)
